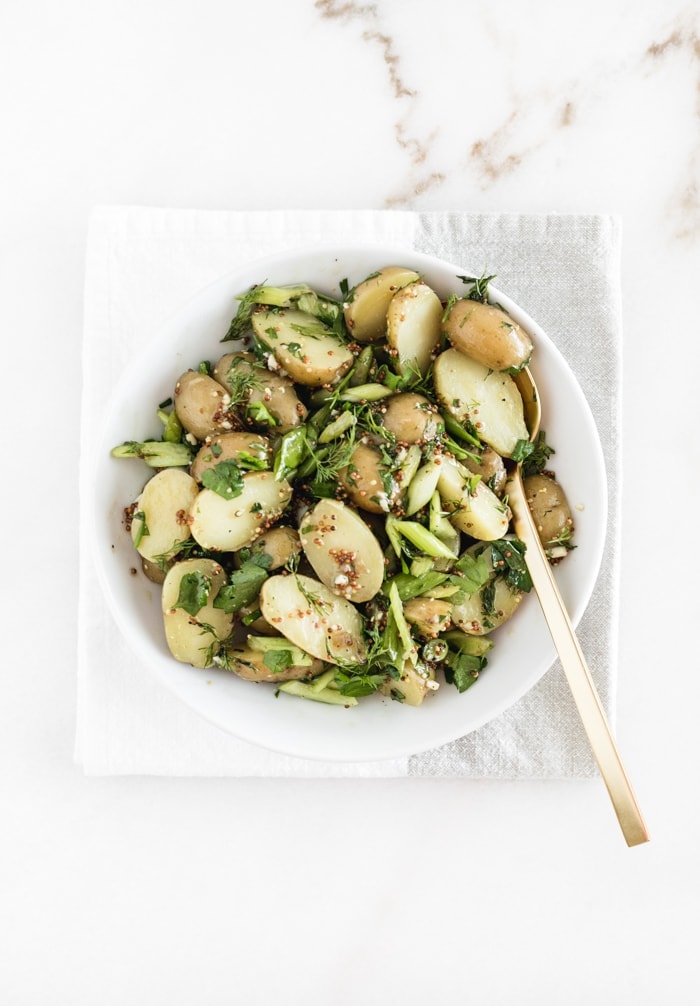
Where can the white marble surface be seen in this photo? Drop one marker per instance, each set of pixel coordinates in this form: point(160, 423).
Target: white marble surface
point(411, 891)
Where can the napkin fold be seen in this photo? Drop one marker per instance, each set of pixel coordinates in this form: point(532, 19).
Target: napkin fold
point(142, 264)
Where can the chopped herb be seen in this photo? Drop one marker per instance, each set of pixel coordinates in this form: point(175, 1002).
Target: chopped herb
point(479, 287)
point(522, 450)
point(508, 557)
point(536, 462)
point(224, 478)
point(194, 592)
point(142, 531)
point(244, 584)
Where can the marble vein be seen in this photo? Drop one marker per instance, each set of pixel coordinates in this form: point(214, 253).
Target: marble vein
point(536, 116)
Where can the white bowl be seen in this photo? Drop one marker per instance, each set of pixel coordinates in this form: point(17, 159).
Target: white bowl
point(376, 728)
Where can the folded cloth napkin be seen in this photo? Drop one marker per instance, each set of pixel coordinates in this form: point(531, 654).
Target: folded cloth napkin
point(142, 265)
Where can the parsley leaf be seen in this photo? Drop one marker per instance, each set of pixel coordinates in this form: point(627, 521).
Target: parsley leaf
point(537, 459)
point(244, 584)
point(224, 478)
point(474, 570)
point(278, 660)
point(508, 555)
point(194, 592)
point(462, 669)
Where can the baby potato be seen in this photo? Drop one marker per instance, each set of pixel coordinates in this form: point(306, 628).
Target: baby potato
point(489, 400)
point(491, 468)
point(190, 637)
point(201, 405)
point(250, 665)
point(414, 320)
point(344, 553)
point(153, 571)
point(429, 615)
point(160, 519)
point(362, 479)
point(280, 543)
point(476, 618)
point(248, 381)
point(366, 311)
point(473, 508)
point(410, 417)
point(488, 335)
point(226, 525)
point(412, 686)
point(303, 346)
point(550, 508)
point(228, 447)
point(314, 618)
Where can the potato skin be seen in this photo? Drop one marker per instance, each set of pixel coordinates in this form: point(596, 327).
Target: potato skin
point(280, 543)
point(488, 335)
point(201, 405)
point(550, 508)
point(491, 468)
point(411, 418)
point(275, 391)
point(362, 479)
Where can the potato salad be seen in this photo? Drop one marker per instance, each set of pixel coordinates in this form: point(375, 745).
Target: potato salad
point(327, 507)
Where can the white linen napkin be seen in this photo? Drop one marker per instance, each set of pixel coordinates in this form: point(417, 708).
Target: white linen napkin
point(142, 265)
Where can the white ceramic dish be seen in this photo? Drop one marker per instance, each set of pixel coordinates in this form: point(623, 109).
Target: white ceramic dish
point(376, 728)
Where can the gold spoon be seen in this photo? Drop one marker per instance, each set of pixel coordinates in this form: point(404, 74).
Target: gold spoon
point(570, 654)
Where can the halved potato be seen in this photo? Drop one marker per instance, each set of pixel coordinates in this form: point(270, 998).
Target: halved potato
point(430, 615)
point(366, 311)
point(229, 447)
point(342, 550)
point(250, 665)
point(474, 618)
point(412, 686)
point(303, 346)
point(315, 619)
point(226, 525)
point(488, 399)
point(249, 381)
point(488, 335)
point(472, 506)
point(414, 322)
point(160, 520)
point(194, 639)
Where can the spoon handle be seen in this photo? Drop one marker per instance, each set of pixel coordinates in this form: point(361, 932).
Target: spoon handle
point(578, 675)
